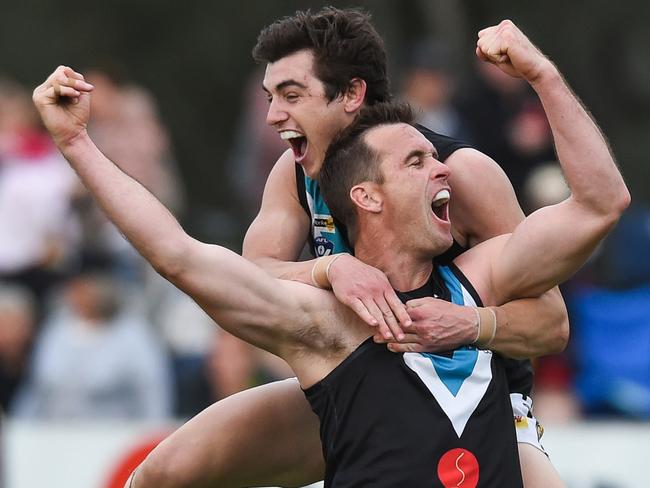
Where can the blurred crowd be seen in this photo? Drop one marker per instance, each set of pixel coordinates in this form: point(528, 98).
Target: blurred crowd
point(88, 330)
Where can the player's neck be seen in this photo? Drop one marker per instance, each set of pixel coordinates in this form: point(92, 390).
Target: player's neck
point(405, 269)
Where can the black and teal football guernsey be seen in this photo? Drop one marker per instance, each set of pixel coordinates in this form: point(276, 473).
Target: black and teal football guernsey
point(418, 419)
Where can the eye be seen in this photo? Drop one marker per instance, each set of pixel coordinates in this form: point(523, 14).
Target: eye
point(291, 97)
point(269, 98)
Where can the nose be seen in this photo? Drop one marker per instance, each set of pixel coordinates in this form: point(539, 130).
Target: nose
point(440, 171)
point(276, 114)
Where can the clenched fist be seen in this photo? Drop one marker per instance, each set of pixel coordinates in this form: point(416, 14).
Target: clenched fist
point(505, 46)
point(63, 102)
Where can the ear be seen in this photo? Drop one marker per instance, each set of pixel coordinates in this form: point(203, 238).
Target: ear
point(355, 95)
point(367, 197)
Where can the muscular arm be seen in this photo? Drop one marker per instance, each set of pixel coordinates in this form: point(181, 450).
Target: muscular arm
point(527, 327)
point(236, 293)
point(279, 232)
point(550, 244)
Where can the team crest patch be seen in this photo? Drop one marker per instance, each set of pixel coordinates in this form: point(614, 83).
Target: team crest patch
point(323, 246)
point(458, 468)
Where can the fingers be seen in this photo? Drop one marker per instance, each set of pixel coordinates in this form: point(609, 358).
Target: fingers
point(391, 321)
point(491, 45)
point(361, 310)
point(407, 337)
point(405, 347)
point(65, 82)
point(374, 310)
point(398, 308)
point(418, 302)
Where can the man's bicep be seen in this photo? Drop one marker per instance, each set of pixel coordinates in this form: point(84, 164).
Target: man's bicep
point(547, 248)
point(281, 227)
point(483, 203)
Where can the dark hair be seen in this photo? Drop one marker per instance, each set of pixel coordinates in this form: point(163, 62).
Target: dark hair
point(350, 160)
point(344, 43)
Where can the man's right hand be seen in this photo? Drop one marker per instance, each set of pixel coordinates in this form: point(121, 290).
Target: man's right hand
point(366, 290)
point(63, 102)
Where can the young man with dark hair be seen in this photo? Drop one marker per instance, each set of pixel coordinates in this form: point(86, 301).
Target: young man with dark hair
point(268, 435)
point(345, 46)
point(386, 419)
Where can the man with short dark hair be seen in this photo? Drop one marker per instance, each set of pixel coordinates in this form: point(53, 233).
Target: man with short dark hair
point(386, 419)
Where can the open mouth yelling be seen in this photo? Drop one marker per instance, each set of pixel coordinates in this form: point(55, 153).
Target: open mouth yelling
point(440, 205)
point(298, 143)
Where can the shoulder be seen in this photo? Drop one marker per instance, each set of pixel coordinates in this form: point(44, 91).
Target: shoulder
point(476, 264)
point(445, 145)
point(484, 203)
point(283, 173)
point(281, 185)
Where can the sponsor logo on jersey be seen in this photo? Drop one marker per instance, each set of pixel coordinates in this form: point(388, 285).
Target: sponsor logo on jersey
point(324, 222)
point(521, 422)
point(458, 468)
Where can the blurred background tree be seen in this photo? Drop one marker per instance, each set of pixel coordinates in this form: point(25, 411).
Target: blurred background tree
point(195, 58)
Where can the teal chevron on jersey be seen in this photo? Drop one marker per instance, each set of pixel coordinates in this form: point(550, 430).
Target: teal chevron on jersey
point(455, 370)
point(459, 295)
point(458, 383)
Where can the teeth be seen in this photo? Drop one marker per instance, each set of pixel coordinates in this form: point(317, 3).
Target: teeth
point(441, 198)
point(290, 134)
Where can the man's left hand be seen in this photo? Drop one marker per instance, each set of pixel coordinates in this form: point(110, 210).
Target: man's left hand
point(437, 326)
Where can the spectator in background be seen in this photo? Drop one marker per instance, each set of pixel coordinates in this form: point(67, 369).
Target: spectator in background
point(428, 84)
point(17, 326)
point(94, 359)
point(125, 123)
point(37, 233)
point(506, 121)
point(610, 312)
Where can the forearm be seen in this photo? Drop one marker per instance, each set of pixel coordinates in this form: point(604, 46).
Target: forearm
point(285, 270)
point(583, 152)
point(532, 327)
point(145, 222)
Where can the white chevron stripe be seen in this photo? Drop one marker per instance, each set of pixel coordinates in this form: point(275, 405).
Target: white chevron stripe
point(458, 408)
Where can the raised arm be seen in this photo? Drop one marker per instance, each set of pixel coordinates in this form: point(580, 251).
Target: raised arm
point(235, 292)
point(550, 244)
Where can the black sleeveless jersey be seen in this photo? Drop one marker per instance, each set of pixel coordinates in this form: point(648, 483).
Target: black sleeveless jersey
point(418, 420)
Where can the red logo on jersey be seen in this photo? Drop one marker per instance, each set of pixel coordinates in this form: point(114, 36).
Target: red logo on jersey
point(458, 468)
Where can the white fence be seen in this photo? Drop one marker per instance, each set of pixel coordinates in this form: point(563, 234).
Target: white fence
point(588, 455)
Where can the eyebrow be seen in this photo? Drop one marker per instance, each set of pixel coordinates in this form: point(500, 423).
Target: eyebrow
point(284, 84)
